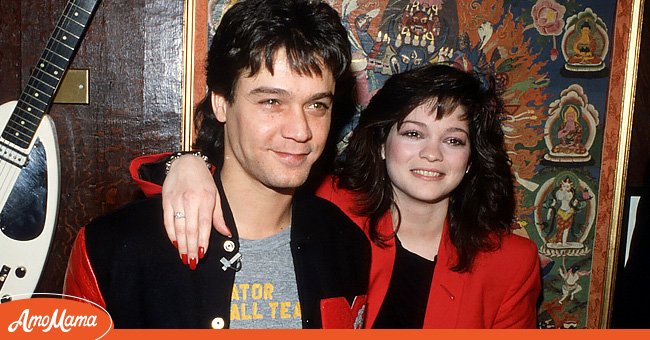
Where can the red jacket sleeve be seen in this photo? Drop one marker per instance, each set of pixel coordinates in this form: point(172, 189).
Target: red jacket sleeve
point(149, 188)
point(519, 307)
point(326, 189)
point(147, 169)
point(80, 280)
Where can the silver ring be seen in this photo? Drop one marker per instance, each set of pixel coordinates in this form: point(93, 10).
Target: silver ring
point(178, 215)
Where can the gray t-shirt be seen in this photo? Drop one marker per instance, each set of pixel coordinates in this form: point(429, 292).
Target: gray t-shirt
point(265, 294)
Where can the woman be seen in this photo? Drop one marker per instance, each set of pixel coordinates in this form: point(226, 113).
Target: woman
point(427, 177)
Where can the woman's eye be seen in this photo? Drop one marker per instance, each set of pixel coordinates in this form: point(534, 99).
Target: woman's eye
point(456, 141)
point(411, 134)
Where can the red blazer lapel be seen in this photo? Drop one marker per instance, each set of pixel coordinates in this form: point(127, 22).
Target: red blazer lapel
point(381, 270)
point(447, 288)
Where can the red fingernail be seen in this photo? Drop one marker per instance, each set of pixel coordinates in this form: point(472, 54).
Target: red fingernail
point(184, 258)
point(193, 263)
point(175, 244)
point(201, 252)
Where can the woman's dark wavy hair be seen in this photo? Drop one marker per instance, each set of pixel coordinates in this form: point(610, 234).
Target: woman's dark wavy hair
point(250, 34)
point(483, 204)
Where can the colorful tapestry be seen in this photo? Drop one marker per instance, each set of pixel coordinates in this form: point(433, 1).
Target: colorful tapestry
point(550, 59)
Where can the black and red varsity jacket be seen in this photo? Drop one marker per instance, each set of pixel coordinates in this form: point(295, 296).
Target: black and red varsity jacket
point(125, 262)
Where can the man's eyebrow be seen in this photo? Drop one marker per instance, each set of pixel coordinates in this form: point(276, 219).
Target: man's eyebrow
point(283, 92)
point(268, 90)
point(322, 95)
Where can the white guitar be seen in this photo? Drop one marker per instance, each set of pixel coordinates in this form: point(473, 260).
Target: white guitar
point(29, 160)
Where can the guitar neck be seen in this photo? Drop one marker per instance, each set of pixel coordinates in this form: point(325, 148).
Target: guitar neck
point(37, 96)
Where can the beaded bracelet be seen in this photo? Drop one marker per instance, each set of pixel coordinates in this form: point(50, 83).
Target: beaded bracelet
point(177, 155)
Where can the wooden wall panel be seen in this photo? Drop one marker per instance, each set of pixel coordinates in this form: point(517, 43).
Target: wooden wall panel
point(133, 52)
point(10, 42)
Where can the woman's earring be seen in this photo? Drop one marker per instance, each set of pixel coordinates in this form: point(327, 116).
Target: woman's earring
point(382, 152)
point(467, 170)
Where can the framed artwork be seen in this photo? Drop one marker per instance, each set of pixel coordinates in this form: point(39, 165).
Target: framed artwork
point(566, 70)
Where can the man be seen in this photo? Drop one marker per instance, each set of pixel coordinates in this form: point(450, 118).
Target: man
point(293, 260)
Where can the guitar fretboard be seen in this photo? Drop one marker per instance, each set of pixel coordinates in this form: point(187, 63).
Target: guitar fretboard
point(44, 80)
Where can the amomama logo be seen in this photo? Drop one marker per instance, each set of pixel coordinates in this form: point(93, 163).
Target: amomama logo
point(54, 316)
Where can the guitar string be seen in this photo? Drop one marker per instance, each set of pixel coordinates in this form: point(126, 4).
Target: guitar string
point(10, 175)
